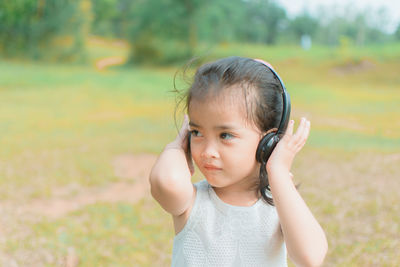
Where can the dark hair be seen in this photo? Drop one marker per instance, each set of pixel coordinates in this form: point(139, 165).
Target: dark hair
point(261, 90)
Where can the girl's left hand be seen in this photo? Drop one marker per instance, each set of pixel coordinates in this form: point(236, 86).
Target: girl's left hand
point(282, 157)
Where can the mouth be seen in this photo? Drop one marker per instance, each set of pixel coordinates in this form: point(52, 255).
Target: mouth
point(210, 167)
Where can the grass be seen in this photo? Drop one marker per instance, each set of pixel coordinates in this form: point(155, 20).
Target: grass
point(62, 126)
point(127, 238)
point(71, 116)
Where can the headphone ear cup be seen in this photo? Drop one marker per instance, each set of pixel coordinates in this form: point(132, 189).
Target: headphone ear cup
point(266, 146)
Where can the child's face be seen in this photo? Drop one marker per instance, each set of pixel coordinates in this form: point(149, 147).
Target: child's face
point(223, 142)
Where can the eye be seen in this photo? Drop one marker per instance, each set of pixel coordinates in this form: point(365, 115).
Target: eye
point(195, 133)
point(226, 136)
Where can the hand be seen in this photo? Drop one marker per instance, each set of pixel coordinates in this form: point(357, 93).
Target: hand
point(282, 157)
point(182, 142)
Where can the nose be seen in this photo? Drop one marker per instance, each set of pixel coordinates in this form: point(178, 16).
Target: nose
point(209, 151)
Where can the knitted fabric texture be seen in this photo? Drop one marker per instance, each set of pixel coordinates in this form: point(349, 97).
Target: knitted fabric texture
point(219, 234)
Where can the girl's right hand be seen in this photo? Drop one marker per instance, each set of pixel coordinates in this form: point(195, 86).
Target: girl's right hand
point(182, 142)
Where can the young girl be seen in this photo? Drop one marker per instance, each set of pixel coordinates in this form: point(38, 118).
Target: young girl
point(236, 216)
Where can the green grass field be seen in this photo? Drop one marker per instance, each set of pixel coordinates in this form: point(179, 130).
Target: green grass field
point(62, 127)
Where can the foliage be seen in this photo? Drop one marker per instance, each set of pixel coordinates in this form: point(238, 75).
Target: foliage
point(397, 33)
point(354, 25)
point(262, 21)
point(157, 26)
point(40, 28)
point(163, 37)
point(170, 31)
point(110, 17)
point(303, 24)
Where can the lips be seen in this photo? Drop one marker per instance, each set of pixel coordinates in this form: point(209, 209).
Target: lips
point(211, 167)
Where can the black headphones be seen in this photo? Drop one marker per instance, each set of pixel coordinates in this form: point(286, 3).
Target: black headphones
point(270, 140)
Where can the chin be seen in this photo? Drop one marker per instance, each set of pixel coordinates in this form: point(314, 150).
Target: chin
point(213, 181)
point(217, 182)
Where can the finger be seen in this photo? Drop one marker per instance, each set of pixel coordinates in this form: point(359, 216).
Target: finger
point(289, 129)
point(306, 131)
point(304, 135)
point(183, 132)
point(297, 137)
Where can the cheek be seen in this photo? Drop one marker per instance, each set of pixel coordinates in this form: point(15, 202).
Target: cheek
point(238, 155)
point(246, 155)
point(248, 149)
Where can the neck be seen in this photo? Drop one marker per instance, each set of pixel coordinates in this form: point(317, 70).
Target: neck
point(239, 195)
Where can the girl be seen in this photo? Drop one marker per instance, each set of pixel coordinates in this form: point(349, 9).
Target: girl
point(245, 213)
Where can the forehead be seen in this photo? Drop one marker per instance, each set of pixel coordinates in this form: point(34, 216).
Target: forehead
point(228, 101)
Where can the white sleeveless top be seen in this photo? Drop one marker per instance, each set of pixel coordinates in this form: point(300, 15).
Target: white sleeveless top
point(219, 234)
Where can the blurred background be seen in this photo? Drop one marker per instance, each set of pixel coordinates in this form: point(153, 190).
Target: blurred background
point(86, 104)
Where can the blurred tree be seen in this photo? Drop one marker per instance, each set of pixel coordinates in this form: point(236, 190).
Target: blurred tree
point(162, 31)
point(303, 24)
point(166, 31)
point(360, 29)
point(219, 21)
point(262, 21)
point(42, 28)
point(397, 32)
point(110, 17)
point(356, 26)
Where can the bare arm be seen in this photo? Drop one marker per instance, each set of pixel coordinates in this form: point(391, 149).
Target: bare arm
point(170, 177)
point(304, 237)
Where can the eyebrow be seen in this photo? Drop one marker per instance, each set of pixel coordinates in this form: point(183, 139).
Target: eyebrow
point(219, 127)
point(193, 124)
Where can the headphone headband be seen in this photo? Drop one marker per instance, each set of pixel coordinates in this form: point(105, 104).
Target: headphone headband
point(285, 99)
point(269, 141)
